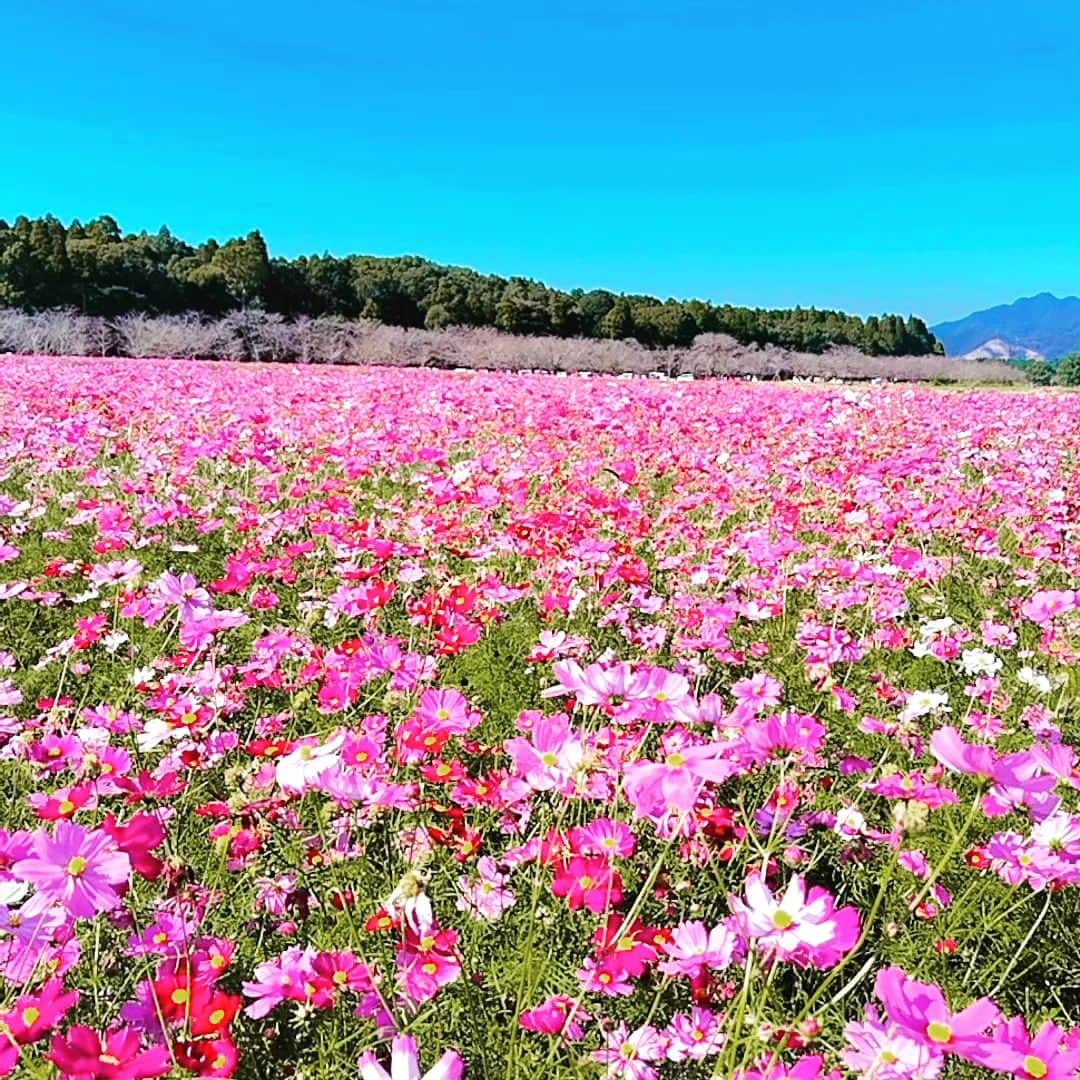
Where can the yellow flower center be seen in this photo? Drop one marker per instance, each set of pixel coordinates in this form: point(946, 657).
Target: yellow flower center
point(66, 807)
point(108, 1059)
point(550, 759)
point(675, 761)
point(30, 1016)
point(77, 866)
point(586, 882)
point(782, 920)
point(938, 1032)
point(217, 1016)
point(1035, 1067)
point(179, 997)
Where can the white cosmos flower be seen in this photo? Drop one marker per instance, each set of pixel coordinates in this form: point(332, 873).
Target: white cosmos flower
point(979, 662)
point(923, 702)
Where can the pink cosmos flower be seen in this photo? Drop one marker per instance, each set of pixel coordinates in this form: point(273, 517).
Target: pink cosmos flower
point(1047, 1054)
point(551, 757)
point(920, 1011)
point(806, 1068)
point(627, 1053)
point(427, 961)
point(671, 786)
point(45, 940)
point(284, 978)
point(1047, 604)
point(1021, 780)
point(587, 881)
point(308, 761)
point(693, 948)
point(600, 977)
point(602, 836)
point(660, 696)
point(79, 869)
point(914, 787)
point(949, 747)
point(885, 1052)
point(608, 686)
point(694, 1037)
point(445, 710)
point(118, 572)
point(787, 733)
point(81, 1054)
point(556, 1016)
point(405, 1063)
point(758, 693)
point(488, 897)
point(184, 591)
point(627, 948)
point(804, 928)
point(33, 1015)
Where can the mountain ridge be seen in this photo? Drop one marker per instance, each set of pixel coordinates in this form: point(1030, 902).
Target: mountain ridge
point(1044, 324)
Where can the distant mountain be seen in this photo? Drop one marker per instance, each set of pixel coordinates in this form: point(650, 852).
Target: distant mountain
point(997, 349)
point(1042, 324)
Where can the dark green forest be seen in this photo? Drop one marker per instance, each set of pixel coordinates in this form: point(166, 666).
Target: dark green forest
point(99, 270)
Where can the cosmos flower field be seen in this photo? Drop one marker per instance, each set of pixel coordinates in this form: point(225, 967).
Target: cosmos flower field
point(387, 723)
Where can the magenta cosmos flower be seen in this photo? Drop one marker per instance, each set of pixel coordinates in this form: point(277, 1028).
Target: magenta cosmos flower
point(671, 786)
point(83, 1054)
point(76, 868)
point(921, 1011)
point(1044, 1055)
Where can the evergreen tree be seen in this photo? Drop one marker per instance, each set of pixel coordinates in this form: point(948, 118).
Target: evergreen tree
point(103, 271)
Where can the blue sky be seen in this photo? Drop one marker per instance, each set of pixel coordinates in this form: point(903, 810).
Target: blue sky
point(867, 155)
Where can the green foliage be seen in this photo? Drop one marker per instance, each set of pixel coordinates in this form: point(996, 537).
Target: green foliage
point(1040, 372)
point(1067, 372)
point(99, 270)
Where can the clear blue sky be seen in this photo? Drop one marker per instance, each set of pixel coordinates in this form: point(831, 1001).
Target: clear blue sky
point(869, 155)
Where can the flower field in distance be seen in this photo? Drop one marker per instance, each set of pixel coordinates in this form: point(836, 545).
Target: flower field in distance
point(378, 722)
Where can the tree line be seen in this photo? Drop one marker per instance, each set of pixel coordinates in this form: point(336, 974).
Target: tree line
point(100, 270)
point(1064, 371)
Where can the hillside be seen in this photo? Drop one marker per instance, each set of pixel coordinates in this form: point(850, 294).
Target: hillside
point(1045, 325)
point(100, 271)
